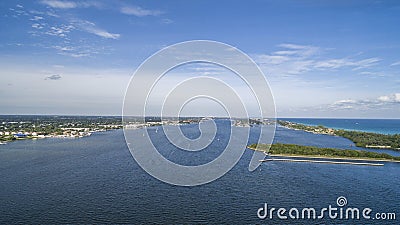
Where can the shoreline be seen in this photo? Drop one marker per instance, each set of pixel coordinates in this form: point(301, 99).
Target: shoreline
point(338, 158)
point(34, 138)
point(320, 161)
point(325, 157)
point(359, 138)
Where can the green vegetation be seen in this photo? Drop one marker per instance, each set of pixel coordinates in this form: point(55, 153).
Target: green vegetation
point(14, 127)
point(364, 139)
point(360, 139)
point(300, 150)
point(7, 138)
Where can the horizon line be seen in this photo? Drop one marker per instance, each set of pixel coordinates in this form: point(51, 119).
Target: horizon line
point(285, 117)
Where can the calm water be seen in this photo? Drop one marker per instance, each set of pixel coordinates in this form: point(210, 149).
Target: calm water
point(384, 126)
point(96, 180)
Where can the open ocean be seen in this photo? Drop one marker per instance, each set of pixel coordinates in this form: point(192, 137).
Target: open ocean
point(96, 180)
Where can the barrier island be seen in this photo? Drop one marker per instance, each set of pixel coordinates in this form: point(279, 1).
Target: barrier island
point(280, 149)
point(360, 139)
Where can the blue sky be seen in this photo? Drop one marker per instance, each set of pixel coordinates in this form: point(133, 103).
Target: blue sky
point(322, 58)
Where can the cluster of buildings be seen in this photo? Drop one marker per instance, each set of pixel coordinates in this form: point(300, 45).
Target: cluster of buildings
point(311, 129)
point(138, 125)
point(77, 132)
point(23, 130)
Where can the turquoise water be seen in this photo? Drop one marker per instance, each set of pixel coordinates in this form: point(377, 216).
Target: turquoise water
point(95, 180)
point(383, 126)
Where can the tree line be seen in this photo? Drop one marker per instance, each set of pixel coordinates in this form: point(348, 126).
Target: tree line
point(292, 149)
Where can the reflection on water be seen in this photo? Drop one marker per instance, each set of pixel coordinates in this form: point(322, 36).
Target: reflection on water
point(96, 180)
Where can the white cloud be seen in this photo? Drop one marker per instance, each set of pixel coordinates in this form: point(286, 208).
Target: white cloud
point(365, 63)
point(286, 52)
point(293, 46)
point(395, 63)
point(47, 13)
point(82, 25)
point(91, 27)
point(37, 26)
point(102, 33)
point(346, 62)
point(271, 59)
point(36, 18)
point(298, 59)
point(65, 48)
point(60, 4)
point(393, 98)
point(75, 52)
point(301, 50)
point(360, 104)
point(71, 25)
point(60, 31)
point(346, 101)
point(138, 11)
point(75, 55)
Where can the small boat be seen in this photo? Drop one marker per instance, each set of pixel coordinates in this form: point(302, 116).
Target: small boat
point(3, 143)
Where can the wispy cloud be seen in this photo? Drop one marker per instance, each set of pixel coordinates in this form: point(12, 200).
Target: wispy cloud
point(72, 25)
point(18, 11)
point(91, 27)
point(36, 18)
point(138, 11)
point(53, 77)
point(294, 59)
point(77, 51)
point(44, 13)
point(300, 50)
point(37, 26)
point(346, 62)
point(60, 4)
point(60, 31)
point(102, 33)
point(372, 74)
point(381, 101)
point(395, 63)
point(67, 45)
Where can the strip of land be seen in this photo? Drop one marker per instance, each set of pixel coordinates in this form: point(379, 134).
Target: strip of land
point(332, 158)
point(360, 139)
point(323, 161)
point(292, 150)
